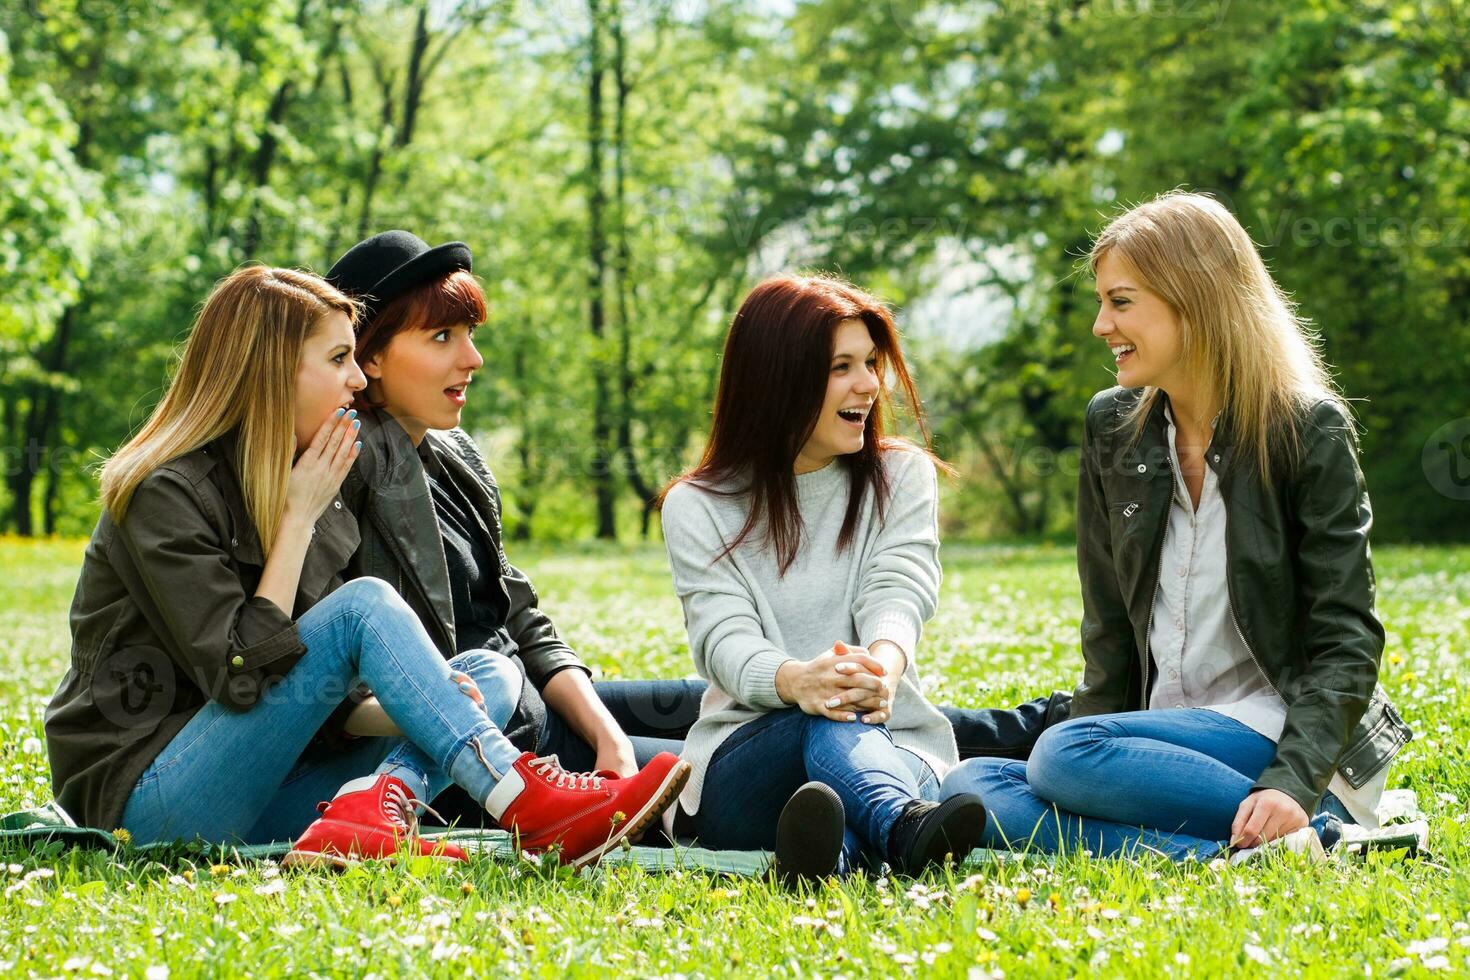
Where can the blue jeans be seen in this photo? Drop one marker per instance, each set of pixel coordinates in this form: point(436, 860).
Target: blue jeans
point(247, 777)
point(1168, 781)
point(639, 709)
point(754, 772)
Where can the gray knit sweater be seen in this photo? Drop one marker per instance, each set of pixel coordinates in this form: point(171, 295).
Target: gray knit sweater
point(745, 620)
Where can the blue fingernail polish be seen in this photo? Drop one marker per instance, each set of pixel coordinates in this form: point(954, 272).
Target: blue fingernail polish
point(465, 687)
point(356, 423)
point(352, 414)
point(339, 412)
point(357, 446)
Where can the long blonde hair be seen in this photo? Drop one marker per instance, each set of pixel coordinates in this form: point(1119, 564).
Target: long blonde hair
point(238, 369)
point(1242, 341)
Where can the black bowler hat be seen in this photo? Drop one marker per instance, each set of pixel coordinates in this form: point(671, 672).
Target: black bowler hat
point(386, 266)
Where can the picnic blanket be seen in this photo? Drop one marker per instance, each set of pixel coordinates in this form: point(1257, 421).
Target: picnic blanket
point(1403, 828)
point(49, 824)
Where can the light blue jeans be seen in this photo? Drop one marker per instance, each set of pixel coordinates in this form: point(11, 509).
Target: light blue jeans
point(1168, 781)
point(248, 777)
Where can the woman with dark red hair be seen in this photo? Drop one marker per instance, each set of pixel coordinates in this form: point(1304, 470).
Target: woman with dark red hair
point(805, 551)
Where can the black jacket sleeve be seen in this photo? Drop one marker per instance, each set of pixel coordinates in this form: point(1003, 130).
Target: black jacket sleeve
point(1342, 637)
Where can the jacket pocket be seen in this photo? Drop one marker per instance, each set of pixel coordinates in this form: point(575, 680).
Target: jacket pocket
point(1376, 740)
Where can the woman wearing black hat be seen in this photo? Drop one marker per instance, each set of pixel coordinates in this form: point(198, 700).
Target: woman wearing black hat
point(429, 511)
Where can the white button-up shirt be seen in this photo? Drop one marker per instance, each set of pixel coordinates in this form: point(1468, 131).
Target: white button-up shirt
point(1200, 658)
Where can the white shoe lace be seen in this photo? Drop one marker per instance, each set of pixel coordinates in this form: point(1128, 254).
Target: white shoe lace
point(548, 767)
point(403, 810)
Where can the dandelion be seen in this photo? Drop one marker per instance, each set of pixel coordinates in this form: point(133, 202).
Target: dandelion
point(31, 746)
point(219, 870)
point(394, 901)
point(1023, 895)
point(467, 888)
point(122, 837)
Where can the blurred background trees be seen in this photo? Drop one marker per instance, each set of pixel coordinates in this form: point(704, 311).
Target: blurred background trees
point(625, 169)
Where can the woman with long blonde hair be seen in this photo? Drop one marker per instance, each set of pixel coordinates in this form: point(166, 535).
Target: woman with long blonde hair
point(1229, 639)
point(212, 632)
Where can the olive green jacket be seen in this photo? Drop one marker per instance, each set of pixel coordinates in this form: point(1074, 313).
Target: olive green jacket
point(165, 619)
point(1298, 572)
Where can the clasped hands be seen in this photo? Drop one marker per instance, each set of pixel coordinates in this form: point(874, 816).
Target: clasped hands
point(845, 683)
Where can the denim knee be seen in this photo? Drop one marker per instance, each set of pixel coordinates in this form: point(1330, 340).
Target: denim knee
point(367, 595)
point(820, 727)
point(495, 674)
point(1053, 766)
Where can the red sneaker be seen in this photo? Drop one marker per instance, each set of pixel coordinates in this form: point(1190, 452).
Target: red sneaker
point(368, 818)
point(542, 804)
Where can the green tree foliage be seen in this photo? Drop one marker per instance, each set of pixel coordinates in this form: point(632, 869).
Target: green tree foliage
point(625, 169)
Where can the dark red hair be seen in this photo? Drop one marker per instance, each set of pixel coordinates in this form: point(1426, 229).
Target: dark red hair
point(445, 302)
point(773, 383)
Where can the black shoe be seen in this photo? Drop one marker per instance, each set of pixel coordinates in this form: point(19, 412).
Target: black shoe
point(928, 833)
point(809, 835)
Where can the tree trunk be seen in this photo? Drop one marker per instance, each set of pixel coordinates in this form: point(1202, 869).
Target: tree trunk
point(38, 427)
point(525, 450)
point(622, 259)
point(602, 476)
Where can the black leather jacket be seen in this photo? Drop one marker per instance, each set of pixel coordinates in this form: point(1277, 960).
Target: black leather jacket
point(1297, 568)
point(388, 491)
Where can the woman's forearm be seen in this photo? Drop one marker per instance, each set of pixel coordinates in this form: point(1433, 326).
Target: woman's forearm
point(892, 657)
point(282, 573)
point(570, 695)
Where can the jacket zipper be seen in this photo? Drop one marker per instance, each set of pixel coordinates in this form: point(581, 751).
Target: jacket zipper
point(1153, 602)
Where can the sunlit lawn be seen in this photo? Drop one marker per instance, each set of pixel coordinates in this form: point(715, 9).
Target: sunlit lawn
point(1006, 631)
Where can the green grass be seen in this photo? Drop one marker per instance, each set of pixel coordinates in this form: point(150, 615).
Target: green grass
point(1006, 631)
